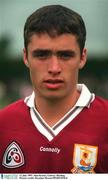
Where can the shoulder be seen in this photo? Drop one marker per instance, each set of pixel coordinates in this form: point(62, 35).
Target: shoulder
point(101, 102)
point(13, 109)
point(100, 105)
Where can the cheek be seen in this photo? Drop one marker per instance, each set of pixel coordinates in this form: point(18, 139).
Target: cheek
point(72, 70)
point(71, 77)
point(34, 74)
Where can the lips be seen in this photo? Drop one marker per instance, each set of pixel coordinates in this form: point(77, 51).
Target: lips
point(53, 83)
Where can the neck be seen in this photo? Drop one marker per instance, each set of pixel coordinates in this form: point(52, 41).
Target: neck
point(53, 110)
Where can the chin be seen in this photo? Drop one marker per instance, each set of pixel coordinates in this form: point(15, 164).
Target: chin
point(55, 97)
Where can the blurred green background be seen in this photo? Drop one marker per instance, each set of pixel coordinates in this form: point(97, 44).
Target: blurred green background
point(14, 76)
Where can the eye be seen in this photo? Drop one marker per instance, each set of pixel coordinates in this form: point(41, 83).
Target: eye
point(66, 55)
point(41, 54)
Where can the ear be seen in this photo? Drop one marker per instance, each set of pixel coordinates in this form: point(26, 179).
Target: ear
point(25, 59)
point(83, 58)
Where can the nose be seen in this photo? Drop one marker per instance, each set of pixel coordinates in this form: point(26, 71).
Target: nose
point(54, 66)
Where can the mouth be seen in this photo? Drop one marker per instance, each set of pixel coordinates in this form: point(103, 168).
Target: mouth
point(53, 83)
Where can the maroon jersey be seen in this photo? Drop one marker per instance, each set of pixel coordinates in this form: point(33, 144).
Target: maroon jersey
point(80, 147)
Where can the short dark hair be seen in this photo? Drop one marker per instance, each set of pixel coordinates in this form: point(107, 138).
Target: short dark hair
point(55, 20)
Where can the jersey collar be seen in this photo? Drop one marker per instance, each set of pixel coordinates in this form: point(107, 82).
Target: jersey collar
point(50, 132)
point(84, 100)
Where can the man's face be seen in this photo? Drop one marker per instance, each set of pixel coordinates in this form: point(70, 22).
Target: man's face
point(54, 63)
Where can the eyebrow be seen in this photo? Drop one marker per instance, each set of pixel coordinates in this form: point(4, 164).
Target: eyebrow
point(49, 52)
point(41, 51)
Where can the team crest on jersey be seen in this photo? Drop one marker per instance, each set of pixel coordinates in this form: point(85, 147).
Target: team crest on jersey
point(84, 159)
point(13, 156)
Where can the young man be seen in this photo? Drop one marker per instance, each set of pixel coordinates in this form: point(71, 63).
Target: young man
point(61, 127)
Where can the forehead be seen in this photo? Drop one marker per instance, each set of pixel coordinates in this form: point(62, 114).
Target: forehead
point(44, 41)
